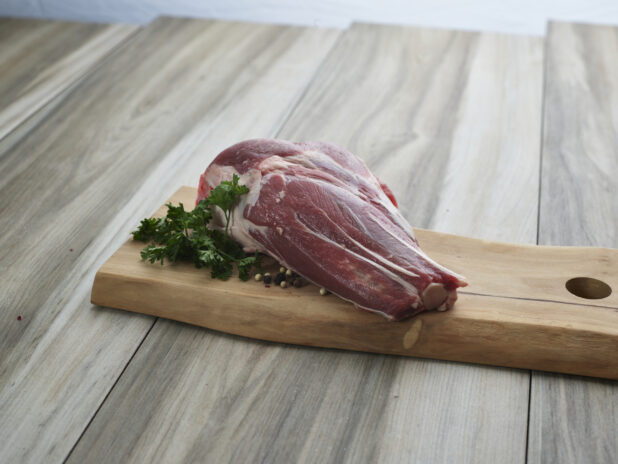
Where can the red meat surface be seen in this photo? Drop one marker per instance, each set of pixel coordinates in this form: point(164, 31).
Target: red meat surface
point(319, 211)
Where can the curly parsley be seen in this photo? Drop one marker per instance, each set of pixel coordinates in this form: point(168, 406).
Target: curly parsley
point(185, 235)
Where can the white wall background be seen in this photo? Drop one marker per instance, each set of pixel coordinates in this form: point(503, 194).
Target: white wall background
point(511, 16)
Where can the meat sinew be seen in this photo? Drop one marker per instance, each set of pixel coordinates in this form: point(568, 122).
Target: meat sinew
point(319, 211)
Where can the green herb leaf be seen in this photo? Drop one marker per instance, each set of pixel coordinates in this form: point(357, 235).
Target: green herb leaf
point(146, 230)
point(185, 235)
point(245, 265)
point(225, 196)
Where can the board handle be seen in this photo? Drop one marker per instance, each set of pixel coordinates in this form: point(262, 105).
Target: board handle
point(572, 275)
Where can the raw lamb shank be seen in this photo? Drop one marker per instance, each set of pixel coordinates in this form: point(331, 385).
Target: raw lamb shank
point(319, 211)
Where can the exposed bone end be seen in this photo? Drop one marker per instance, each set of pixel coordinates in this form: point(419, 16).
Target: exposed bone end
point(435, 297)
point(449, 302)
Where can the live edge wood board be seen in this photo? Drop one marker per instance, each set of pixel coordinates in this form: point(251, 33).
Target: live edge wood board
point(516, 311)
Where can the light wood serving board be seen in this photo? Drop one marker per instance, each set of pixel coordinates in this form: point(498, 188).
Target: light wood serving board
point(516, 311)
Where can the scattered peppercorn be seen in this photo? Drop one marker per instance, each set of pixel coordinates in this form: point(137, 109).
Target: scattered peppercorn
point(323, 291)
point(19, 318)
point(284, 279)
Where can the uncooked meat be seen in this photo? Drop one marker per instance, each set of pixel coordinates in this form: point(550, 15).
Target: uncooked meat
point(319, 211)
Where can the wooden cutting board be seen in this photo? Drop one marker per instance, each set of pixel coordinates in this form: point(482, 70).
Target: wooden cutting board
point(516, 311)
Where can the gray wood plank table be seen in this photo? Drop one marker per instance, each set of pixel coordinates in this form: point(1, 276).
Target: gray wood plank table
point(576, 419)
point(111, 152)
point(40, 60)
point(464, 127)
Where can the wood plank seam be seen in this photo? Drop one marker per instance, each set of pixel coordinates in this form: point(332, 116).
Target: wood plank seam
point(68, 456)
point(538, 217)
point(547, 300)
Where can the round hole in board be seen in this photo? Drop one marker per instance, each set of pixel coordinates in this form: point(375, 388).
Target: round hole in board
point(587, 287)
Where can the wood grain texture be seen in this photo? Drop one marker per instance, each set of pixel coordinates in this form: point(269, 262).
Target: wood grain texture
point(430, 113)
point(82, 180)
point(515, 293)
point(576, 420)
point(41, 59)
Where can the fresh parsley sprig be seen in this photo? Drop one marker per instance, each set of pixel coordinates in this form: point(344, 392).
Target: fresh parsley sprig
point(185, 235)
point(225, 196)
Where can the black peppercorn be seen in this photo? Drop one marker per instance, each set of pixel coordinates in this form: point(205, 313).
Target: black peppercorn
point(279, 278)
point(267, 279)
